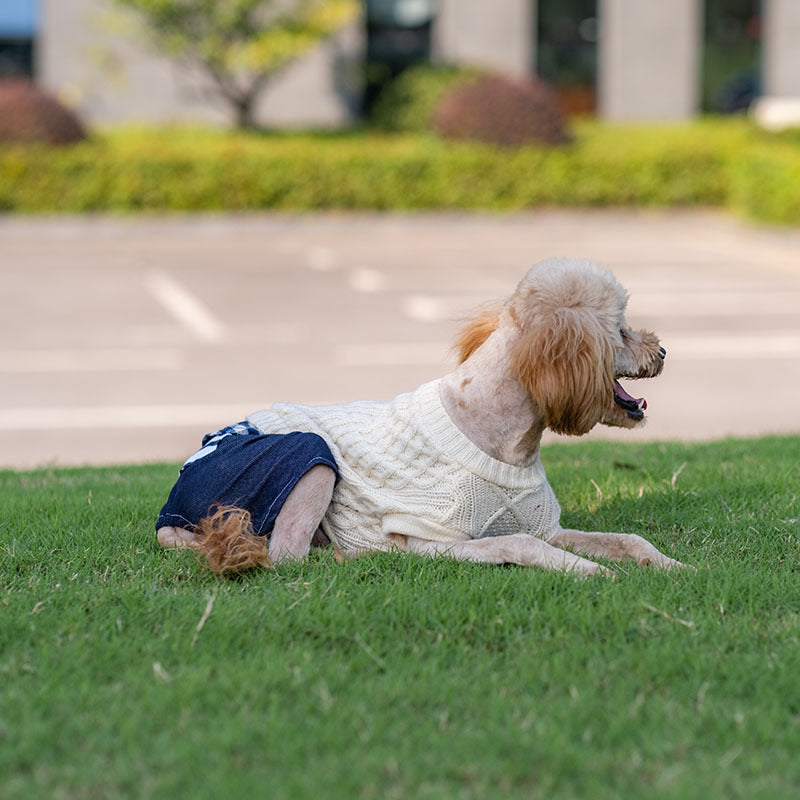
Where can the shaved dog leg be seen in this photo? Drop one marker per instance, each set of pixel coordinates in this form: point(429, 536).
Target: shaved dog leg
point(616, 546)
point(527, 551)
point(301, 514)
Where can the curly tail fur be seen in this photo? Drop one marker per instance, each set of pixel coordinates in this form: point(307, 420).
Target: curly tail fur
point(228, 544)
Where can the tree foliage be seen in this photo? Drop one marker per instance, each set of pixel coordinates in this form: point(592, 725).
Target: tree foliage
point(241, 44)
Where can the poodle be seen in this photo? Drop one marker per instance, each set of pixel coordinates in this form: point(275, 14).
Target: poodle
point(452, 469)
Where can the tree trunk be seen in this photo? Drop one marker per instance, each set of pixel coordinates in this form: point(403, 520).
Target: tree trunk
point(244, 112)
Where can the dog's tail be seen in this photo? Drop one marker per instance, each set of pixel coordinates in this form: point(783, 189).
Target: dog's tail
point(476, 332)
point(227, 543)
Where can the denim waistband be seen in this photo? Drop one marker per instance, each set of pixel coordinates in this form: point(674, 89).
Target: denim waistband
point(211, 440)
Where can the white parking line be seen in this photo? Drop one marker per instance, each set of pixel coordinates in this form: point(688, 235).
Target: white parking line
point(773, 345)
point(720, 303)
point(366, 281)
point(117, 417)
point(440, 308)
point(321, 259)
point(426, 308)
point(731, 347)
point(185, 307)
point(101, 360)
point(391, 354)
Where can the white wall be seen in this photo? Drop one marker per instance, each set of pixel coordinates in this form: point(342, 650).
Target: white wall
point(649, 59)
point(498, 34)
point(95, 59)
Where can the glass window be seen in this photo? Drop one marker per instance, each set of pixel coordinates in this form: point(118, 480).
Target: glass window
point(566, 51)
point(398, 35)
point(731, 55)
point(18, 23)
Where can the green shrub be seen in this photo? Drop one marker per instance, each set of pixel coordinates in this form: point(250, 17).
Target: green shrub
point(766, 184)
point(378, 172)
point(708, 163)
point(409, 102)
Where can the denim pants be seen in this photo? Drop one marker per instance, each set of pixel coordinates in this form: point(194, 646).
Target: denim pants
point(239, 466)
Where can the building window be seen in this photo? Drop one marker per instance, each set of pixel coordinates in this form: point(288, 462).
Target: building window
point(398, 35)
point(566, 51)
point(731, 55)
point(17, 35)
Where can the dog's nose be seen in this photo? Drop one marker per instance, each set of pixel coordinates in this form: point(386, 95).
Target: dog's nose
point(662, 352)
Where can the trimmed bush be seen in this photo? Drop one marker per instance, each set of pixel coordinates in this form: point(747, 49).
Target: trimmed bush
point(498, 110)
point(27, 114)
point(196, 170)
point(408, 103)
point(707, 163)
point(766, 185)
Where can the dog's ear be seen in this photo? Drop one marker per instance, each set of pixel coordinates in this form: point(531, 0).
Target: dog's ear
point(567, 365)
point(476, 333)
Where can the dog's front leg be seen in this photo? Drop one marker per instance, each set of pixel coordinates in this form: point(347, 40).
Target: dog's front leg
point(616, 546)
point(521, 549)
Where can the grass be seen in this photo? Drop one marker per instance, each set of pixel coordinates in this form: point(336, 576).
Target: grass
point(129, 671)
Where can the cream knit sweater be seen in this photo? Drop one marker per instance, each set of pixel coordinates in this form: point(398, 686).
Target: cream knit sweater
point(406, 469)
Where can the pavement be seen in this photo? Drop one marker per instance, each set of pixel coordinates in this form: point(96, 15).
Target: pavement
point(123, 340)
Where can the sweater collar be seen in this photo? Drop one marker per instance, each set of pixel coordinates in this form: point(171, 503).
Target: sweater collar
point(450, 440)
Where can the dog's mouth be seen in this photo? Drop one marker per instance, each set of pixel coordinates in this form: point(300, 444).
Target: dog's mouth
point(632, 406)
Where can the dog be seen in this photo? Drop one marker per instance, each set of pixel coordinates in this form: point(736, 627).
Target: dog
point(453, 468)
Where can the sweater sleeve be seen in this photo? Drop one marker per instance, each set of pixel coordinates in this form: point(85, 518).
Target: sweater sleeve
point(267, 421)
point(281, 418)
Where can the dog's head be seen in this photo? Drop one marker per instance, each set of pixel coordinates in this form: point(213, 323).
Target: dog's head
point(573, 345)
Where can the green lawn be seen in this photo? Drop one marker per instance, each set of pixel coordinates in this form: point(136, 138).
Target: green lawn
point(126, 671)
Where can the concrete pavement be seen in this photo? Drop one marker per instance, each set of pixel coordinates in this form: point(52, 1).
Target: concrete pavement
point(124, 340)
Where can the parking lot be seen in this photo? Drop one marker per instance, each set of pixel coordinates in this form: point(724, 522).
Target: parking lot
point(125, 339)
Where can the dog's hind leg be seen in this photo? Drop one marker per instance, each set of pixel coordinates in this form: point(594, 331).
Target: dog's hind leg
point(302, 512)
point(175, 537)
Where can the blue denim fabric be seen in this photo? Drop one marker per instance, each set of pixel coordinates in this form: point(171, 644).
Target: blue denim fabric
point(253, 471)
point(211, 440)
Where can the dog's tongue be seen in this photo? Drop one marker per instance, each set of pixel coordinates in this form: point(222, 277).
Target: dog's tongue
point(626, 401)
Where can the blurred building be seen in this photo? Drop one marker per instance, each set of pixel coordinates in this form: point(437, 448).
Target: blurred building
point(633, 59)
point(96, 58)
point(623, 59)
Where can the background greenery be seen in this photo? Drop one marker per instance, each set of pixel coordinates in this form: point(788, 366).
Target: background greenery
point(393, 676)
point(712, 162)
point(240, 46)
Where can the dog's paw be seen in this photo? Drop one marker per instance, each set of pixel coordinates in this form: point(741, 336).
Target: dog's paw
point(660, 561)
point(604, 572)
point(673, 564)
point(584, 568)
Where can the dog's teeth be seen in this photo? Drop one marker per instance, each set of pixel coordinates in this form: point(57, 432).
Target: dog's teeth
point(640, 405)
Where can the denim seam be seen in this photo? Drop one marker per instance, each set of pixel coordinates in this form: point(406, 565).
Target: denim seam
point(171, 517)
point(292, 483)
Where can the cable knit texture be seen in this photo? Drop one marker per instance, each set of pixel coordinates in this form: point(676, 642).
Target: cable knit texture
point(407, 470)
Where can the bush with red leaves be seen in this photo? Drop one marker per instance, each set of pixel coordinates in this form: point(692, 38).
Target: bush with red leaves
point(501, 111)
point(27, 114)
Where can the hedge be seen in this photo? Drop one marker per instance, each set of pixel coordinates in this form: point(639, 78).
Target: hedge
point(766, 184)
point(708, 163)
